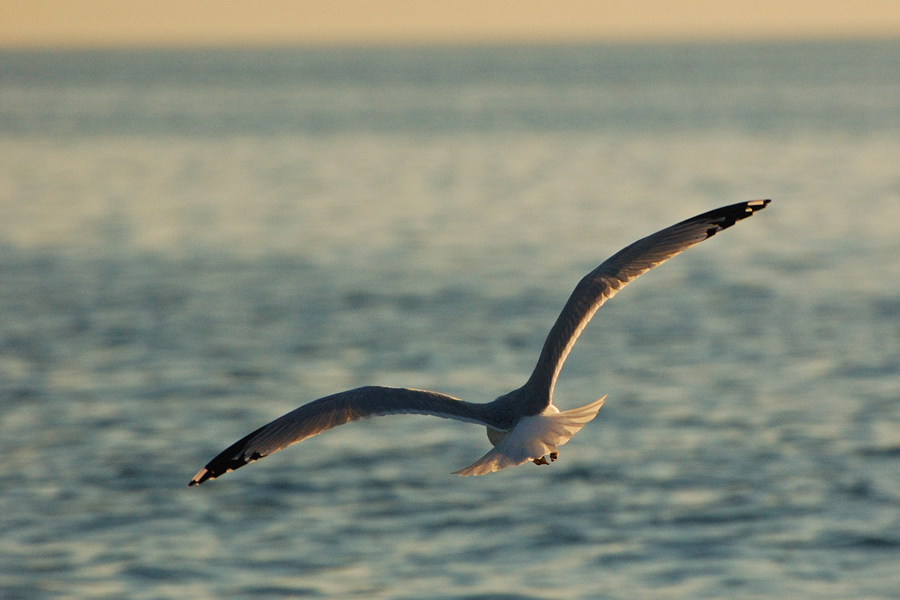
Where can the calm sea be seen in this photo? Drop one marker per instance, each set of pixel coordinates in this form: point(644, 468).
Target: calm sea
point(193, 243)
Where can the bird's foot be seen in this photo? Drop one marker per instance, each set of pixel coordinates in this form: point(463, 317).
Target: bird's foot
point(543, 460)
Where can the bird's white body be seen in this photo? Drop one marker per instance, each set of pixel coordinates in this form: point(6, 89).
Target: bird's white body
point(532, 438)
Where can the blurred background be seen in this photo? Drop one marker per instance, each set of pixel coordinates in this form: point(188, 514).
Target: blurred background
point(213, 212)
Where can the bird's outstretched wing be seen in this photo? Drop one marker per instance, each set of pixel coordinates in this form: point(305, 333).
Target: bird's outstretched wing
point(337, 409)
point(616, 272)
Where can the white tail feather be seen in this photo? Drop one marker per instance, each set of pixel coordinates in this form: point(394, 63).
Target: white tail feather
point(534, 437)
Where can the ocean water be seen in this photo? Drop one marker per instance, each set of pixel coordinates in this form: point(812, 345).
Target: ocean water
point(193, 243)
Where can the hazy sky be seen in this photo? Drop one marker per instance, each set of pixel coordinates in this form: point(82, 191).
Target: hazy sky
point(84, 23)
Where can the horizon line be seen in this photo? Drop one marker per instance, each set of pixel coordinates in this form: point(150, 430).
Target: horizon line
point(123, 24)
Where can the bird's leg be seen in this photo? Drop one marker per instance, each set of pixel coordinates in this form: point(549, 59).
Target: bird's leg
point(543, 460)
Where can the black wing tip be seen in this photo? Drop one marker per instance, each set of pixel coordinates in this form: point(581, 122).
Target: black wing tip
point(219, 467)
point(725, 217)
point(752, 206)
point(229, 460)
point(201, 476)
point(210, 472)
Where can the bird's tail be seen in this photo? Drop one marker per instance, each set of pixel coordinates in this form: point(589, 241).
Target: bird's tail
point(534, 437)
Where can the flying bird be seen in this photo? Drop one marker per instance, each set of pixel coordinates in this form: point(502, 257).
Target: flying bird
point(522, 425)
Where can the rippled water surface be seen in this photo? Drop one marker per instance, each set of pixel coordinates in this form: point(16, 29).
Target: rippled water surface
point(192, 244)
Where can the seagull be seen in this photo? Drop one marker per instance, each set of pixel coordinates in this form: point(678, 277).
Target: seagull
point(522, 425)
